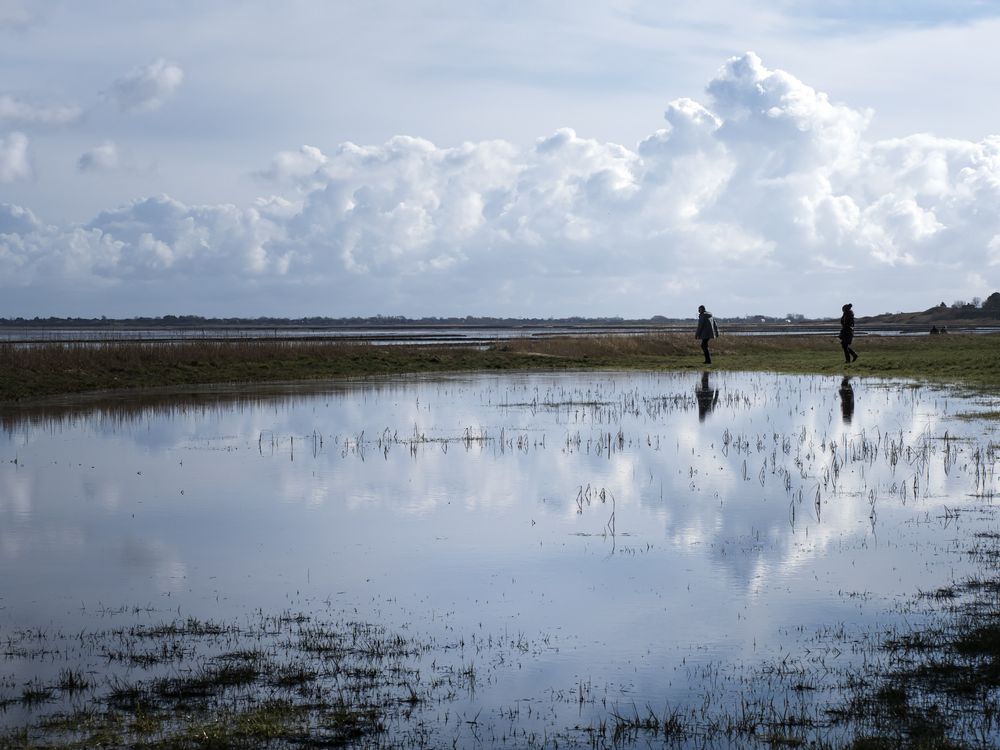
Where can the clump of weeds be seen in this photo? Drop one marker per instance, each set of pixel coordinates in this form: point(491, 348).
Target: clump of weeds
point(282, 681)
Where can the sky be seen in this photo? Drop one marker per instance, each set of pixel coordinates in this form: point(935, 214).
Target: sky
point(544, 159)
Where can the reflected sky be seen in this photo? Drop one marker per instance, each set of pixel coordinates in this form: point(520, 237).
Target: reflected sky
point(634, 523)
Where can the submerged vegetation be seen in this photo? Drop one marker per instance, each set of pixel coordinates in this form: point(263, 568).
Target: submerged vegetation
point(43, 370)
point(939, 685)
point(197, 684)
point(296, 680)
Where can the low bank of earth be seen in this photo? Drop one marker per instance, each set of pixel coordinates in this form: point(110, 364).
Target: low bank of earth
point(43, 371)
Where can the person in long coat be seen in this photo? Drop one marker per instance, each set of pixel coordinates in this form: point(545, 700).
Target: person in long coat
point(846, 334)
point(706, 331)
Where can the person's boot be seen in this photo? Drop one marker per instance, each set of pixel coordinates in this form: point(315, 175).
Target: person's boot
point(854, 356)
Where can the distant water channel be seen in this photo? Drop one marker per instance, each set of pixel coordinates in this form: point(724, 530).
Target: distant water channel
point(472, 335)
point(573, 544)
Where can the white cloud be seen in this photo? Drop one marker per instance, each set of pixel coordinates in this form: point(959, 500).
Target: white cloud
point(14, 161)
point(800, 129)
point(159, 237)
point(767, 197)
point(147, 88)
point(18, 110)
point(103, 158)
point(296, 167)
point(17, 220)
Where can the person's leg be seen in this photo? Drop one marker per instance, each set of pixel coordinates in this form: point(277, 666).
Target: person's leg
point(849, 354)
point(704, 348)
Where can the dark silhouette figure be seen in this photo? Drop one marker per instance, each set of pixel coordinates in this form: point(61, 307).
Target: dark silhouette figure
point(934, 331)
point(707, 330)
point(846, 334)
point(707, 397)
point(846, 400)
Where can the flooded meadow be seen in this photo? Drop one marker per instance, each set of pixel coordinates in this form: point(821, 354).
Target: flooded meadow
point(522, 560)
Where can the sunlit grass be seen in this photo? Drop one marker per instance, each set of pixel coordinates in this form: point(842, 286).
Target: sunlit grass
point(967, 358)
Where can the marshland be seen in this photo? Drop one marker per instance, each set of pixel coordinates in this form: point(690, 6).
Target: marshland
point(29, 372)
point(595, 544)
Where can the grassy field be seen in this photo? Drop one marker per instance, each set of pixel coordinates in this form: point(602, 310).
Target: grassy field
point(37, 372)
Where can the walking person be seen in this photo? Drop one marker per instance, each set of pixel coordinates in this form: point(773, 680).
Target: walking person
point(707, 330)
point(846, 334)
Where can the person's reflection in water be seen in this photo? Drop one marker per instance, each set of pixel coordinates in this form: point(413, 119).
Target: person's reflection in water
point(846, 400)
point(707, 397)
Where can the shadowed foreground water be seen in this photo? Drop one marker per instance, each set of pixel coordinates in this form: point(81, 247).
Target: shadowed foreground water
point(573, 544)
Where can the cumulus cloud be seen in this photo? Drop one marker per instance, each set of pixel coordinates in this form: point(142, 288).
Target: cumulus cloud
point(17, 220)
point(103, 158)
point(14, 109)
point(156, 244)
point(160, 237)
point(147, 88)
point(766, 196)
point(14, 161)
point(295, 167)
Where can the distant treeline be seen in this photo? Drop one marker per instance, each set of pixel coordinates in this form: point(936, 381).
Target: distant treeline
point(387, 321)
point(393, 321)
point(988, 309)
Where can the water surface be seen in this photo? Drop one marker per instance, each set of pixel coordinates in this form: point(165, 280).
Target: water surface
point(581, 540)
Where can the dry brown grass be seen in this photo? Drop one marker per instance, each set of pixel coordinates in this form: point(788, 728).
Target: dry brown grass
point(36, 371)
point(644, 345)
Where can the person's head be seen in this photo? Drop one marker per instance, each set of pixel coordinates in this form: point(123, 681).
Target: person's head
point(846, 307)
point(701, 308)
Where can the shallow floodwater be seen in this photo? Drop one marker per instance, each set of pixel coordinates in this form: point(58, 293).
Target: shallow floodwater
point(574, 542)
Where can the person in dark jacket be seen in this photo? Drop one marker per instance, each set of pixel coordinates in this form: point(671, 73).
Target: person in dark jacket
point(706, 331)
point(846, 334)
